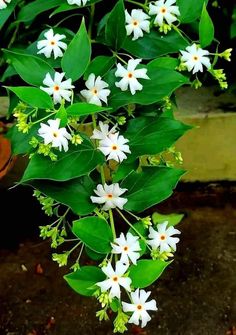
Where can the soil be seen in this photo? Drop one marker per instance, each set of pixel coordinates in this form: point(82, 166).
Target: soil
point(196, 295)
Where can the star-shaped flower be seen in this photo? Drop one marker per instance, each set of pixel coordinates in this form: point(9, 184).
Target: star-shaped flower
point(163, 237)
point(55, 135)
point(139, 307)
point(97, 90)
point(109, 195)
point(57, 88)
point(194, 58)
point(164, 10)
point(115, 279)
point(103, 132)
point(77, 2)
point(3, 3)
point(130, 76)
point(114, 147)
point(52, 44)
point(136, 23)
point(128, 247)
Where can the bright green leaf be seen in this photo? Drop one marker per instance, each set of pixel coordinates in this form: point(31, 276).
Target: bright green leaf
point(66, 7)
point(77, 55)
point(206, 28)
point(149, 187)
point(19, 141)
point(34, 8)
point(100, 65)
point(164, 63)
point(32, 96)
point(173, 218)
point(62, 115)
point(151, 269)
point(95, 232)
point(84, 280)
point(190, 10)
point(83, 108)
point(115, 32)
point(6, 12)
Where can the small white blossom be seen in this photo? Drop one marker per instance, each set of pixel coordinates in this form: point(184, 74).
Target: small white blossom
point(103, 132)
point(97, 90)
point(114, 147)
point(109, 195)
point(194, 58)
point(115, 279)
point(162, 238)
point(137, 22)
point(55, 135)
point(128, 247)
point(130, 75)
point(77, 2)
point(57, 88)
point(139, 307)
point(52, 44)
point(164, 10)
point(3, 3)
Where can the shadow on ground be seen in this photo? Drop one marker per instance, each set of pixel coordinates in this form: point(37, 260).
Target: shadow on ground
point(196, 295)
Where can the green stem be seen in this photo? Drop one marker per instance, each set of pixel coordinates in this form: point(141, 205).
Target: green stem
point(80, 253)
point(118, 57)
point(91, 20)
point(76, 246)
point(44, 118)
point(112, 223)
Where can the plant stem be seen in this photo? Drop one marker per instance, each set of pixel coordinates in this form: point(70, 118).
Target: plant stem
point(112, 223)
point(118, 57)
point(91, 20)
point(76, 246)
point(44, 118)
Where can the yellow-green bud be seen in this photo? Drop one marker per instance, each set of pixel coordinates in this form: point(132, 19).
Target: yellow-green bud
point(165, 28)
point(226, 54)
point(76, 139)
point(121, 120)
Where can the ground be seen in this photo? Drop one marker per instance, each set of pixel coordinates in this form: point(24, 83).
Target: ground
point(195, 296)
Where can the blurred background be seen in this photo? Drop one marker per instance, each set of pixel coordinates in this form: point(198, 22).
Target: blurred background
point(197, 295)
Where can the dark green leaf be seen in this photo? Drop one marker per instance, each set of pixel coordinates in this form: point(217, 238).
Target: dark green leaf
point(95, 256)
point(66, 7)
point(30, 68)
point(77, 55)
point(124, 169)
point(34, 8)
point(150, 136)
point(100, 66)
point(151, 269)
point(149, 187)
point(95, 232)
point(77, 161)
point(20, 141)
point(206, 28)
point(84, 280)
point(83, 108)
point(190, 10)
point(74, 193)
point(32, 96)
point(115, 31)
point(164, 63)
point(6, 12)
point(155, 44)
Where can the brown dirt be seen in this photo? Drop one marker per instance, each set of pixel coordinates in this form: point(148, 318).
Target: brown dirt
point(195, 296)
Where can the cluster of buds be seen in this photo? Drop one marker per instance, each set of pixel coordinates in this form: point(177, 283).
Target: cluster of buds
point(22, 118)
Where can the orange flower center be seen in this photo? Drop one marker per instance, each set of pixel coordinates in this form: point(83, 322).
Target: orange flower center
point(115, 279)
point(163, 10)
point(195, 58)
point(114, 147)
point(163, 237)
point(95, 91)
point(54, 134)
point(110, 196)
point(139, 307)
point(126, 248)
point(56, 88)
point(135, 23)
point(130, 75)
point(52, 43)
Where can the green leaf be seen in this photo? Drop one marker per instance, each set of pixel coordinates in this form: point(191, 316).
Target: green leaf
point(77, 55)
point(141, 229)
point(19, 141)
point(161, 84)
point(100, 65)
point(173, 219)
point(150, 136)
point(30, 68)
point(124, 169)
point(66, 7)
point(115, 305)
point(62, 115)
point(206, 28)
point(95, 256)
point(34, 8)
point(115, 32)
point(84, 280)
point(6, 12)
point(151, 269)
point(149, 187)
point(32, 96)
point(77, 161)
point(74, 193)
point(95, 232)
point(164, 63)
point(190, 10)
point(83, 108)
point(155, 44)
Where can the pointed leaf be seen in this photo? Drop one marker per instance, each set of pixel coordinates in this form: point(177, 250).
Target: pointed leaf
point(173, 218)
point(190, 10)
point(34, 8)
point(206, 28)
point(83, 108)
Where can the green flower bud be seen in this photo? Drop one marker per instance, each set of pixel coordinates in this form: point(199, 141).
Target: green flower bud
point(120, 322)
point(61, 259)
point(76, 139)
point(102, 315)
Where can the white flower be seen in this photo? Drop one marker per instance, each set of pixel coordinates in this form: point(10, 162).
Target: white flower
point(109, 195)
point(128, 248)
point(164, 10)
point(54, 134)
point(57, 88)
point(194, 58)
point(130, 75)
point(77, 2)
point(163, 237)
point(139, 307)
point(97, 91)
point(103, 132)
point(115, 279)
point(3, 3)
point(114, 147)
point(137, 22)
point(52, 44)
